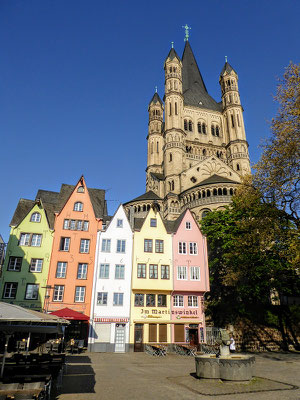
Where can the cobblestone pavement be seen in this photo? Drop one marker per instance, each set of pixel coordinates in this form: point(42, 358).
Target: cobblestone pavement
point(133, 376)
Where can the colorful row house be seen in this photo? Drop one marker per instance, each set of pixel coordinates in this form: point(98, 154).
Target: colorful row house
point(109, 327)
point(149, 283)
point(50, 257)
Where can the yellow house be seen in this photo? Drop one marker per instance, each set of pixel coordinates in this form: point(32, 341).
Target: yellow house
point(152, 281)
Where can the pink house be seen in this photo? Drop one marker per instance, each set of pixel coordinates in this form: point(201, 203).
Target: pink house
point(191, 281)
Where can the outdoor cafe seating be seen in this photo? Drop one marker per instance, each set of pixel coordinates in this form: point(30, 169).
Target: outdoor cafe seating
point(156, 349)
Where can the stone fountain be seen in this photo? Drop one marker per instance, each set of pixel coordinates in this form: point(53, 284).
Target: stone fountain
point(226, 366)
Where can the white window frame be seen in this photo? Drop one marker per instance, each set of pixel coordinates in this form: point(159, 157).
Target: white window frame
point(153, 271)
point(118, 299)
point(182, 248)
point(195, 273)
point(121, 246)
point(79, 294)
point(78, 206)
point(58, 293)
point(102, 298)
point(178, 300)
point(61, 270)
point(166, 272)
point(10, 290)
point(193, 301)
point(35, 217)
point(193, 247)
point(188, 225)
point(104, 271)
point(36, 240)
point(82, 271)
point(182, 273)
point(36, 265)
point(84, 246)
point(106, 245)
point(119, 223)
point(13, 266)
point(66, 243)
point(119, 271)
point(32, 294)
point(141, 271)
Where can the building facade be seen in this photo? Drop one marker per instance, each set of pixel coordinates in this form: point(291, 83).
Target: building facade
point(109, 324)
point(190, 281)
point(152, 281)
point(26, 266)
point(197, 147)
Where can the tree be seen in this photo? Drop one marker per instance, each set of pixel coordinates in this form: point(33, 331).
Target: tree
point(249, 262)
point(278, 171)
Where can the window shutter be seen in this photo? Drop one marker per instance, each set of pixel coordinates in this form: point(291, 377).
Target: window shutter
point(152, 333)
point(179, 333)
point(163, 333)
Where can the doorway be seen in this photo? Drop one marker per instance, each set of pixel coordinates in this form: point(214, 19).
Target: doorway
point(138, 337)
point(193, 335)
point(120, 338)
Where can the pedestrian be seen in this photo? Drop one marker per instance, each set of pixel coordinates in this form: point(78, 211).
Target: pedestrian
point(232, 344)
point(72, 343)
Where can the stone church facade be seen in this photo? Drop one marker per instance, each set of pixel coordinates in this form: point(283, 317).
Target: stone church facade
point(197, 147)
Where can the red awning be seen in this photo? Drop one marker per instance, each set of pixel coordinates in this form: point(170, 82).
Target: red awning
point(69, 314)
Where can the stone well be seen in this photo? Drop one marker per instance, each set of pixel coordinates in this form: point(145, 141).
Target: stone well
point(227, 368)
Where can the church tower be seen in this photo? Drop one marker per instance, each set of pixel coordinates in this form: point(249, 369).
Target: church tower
point(237, 146)
point(197, 147)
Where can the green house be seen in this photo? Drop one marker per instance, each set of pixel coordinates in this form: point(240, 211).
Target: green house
point(25, 269)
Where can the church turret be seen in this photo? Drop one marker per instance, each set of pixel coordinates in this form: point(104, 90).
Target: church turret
point(155, 136)
point(237, 146)
point(174, 135)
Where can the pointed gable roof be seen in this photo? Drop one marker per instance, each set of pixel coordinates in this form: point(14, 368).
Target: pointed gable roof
point(156, 99)
point(146, 196)
point(227, 68)
point(172, 54)
point(193, 86)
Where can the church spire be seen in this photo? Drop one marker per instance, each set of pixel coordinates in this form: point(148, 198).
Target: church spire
point(190, 69)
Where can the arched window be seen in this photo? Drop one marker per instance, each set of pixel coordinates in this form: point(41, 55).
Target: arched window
point(204, 213)
point(171, 157)
point(156, 147)
point(148, 207)
point(237, 167)
point(203, 128)
point(213, 130)
point(151, 147)
point(238, 119)
point(225, 192)
point(215, 192)
point(231, 192)
point(139, 208)
point(135, 209)
point(199, 127)
point(170, 69)
point(176, 111)
point(80, 189)
point(35, 217)
point(170, 108)
point(173, 185)
point(217, 131)
point(190, 126)
point(185, 125)
point(78, 206)
point(220, 192)
point(204, 152)
point(203, 194)
point(144, 207)
point(208, 193)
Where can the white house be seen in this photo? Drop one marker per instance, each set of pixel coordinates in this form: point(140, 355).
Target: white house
point(110, 310)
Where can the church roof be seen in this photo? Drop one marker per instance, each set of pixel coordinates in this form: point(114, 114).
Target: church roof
point(155, 99)
point(227, 68)
point(172, 54)
point(194, 89)
point(212, 180)
point(146, 196)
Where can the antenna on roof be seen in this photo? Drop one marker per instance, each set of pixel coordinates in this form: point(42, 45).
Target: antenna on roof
point(187, 34)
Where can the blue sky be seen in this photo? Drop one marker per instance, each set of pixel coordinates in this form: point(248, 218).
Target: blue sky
point(76, 77)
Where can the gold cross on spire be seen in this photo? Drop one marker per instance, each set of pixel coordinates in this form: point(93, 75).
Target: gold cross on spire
point(187, 33)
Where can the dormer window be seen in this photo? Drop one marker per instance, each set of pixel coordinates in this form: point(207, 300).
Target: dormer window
point(78, 206)
point(80, 189)
point(35, 217)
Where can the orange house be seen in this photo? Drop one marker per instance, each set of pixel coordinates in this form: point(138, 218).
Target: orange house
point(70, 281)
